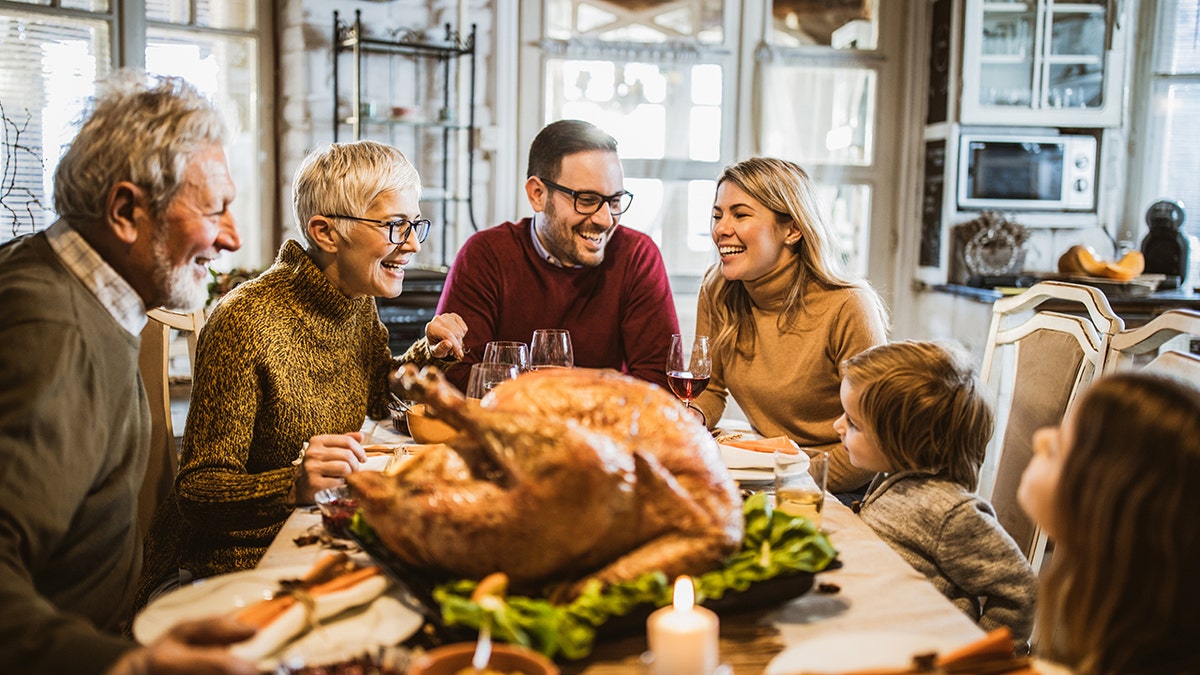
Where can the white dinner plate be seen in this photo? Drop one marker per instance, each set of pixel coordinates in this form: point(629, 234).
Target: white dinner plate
point(855, 650)
point(384, 622)
point(752, 477)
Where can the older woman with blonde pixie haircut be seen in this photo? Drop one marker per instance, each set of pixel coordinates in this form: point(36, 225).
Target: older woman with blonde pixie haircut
point(1115, 488)
point(780, 312)
point(290, 363)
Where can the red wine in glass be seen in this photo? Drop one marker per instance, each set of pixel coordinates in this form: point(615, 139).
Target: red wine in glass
point(688, 366)
point(686, 385)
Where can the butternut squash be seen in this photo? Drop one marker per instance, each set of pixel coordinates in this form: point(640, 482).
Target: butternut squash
point(1080, 259)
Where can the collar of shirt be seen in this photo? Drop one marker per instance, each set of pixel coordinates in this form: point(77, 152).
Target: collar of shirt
point(110, 288)
point(541, 250)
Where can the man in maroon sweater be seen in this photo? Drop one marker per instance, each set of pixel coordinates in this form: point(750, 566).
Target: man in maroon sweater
point(571, 265)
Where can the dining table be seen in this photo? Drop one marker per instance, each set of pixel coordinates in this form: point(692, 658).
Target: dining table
point(871, 596)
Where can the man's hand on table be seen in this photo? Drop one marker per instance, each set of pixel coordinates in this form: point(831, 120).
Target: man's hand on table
point(444, 333)
point(326, 463)
point(190, 648)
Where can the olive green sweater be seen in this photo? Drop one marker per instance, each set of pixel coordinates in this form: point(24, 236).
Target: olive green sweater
point(74, 438)
point(789, 384)
point(283, 357)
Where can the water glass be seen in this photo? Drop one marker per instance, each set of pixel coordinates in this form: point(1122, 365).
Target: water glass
point(800, 485)
point(508, 353)
point(551, 348)
point(486, 376)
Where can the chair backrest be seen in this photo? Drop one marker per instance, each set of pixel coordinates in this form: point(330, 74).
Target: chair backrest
point(154, 362)
point(1036, 362)
point(1144, 345)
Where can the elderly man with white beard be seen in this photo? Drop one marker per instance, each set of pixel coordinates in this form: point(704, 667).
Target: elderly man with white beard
point(143, 196)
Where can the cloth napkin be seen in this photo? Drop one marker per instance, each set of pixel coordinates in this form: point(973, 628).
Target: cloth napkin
point(768, 445)
point(328, 590)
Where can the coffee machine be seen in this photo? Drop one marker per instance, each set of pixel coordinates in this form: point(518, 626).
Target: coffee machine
point(1165, 246)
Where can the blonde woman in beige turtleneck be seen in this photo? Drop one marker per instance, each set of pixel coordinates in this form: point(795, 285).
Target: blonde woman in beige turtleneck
point(779, 312)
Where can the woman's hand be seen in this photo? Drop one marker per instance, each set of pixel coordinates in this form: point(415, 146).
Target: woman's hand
point(444, 333)
point(327, 461)
point(190, 647)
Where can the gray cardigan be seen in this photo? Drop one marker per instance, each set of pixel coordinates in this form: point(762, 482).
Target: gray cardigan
point(952, 537)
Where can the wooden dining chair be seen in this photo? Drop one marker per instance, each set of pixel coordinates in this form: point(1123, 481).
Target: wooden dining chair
point(1036, 362)
point(1147, 345)
point(154, 362)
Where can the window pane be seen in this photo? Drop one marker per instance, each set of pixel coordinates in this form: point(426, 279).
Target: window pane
point(89, 5)
point(1178, 51)
point(819, 115)
point(171, 11)
point(226, 69)
point(634, 101)
point(851, 24)
point(651, 21)
point(659, 209)
point(234, 14)
point(1179, 154)
point(850, 216)
point(48, 70)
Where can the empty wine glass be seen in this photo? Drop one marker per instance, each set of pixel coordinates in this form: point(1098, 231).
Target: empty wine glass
point(487, 376)
point(688, 366)
point(510, 353)
point(551, 348)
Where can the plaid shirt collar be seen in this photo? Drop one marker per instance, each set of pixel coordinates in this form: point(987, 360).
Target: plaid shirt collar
point(113, 292)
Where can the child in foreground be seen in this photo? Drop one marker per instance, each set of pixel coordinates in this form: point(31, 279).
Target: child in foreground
point(916, 413)
point(1115, 488)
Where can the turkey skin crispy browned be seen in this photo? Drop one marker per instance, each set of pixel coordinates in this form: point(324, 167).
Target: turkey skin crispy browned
point(560, 476)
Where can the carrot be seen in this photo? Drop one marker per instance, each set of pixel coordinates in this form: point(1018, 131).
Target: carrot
point(997, 643)
point(782, 443)
point(263, 612)
point(345, 581)
point(326, 564)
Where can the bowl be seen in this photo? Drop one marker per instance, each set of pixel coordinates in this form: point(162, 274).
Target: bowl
point(508, 659)
point(425, 429)
point(337, 506)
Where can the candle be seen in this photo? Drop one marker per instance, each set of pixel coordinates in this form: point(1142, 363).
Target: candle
point(683, 638)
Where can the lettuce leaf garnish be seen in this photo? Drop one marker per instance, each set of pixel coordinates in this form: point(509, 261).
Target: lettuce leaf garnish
point(774, 544)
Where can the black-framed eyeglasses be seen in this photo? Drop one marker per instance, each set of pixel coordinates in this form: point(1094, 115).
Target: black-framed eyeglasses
point(420, 226)
point(588, 202)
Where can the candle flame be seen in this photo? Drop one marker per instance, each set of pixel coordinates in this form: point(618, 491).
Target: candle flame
point(685, 594)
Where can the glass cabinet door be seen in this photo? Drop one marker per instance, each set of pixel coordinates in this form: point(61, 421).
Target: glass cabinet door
point(1007, 45)
point(1075, 57)
point(1042, 63)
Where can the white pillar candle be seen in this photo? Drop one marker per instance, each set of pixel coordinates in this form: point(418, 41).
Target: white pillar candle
point(684, 638)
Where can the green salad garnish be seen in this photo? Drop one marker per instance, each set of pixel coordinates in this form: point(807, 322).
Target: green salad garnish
point(774, 544)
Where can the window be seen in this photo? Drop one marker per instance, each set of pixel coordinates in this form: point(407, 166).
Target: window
point(53, 52)
point(688, 88)
point(1169, 156)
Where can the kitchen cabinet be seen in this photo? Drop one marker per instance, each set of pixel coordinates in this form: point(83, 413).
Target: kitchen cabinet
point(401, 87)
point(1046, 63)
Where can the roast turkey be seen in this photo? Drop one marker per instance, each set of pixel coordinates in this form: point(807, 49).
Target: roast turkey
point(558, 477)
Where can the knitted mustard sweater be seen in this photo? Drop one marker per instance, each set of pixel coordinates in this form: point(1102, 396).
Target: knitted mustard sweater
point(283, 357)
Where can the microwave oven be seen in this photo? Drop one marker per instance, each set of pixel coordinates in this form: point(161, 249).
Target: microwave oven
point(1027, 173)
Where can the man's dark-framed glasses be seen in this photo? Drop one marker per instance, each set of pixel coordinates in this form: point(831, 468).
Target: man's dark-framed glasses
point(588, 202)
point(398, 229)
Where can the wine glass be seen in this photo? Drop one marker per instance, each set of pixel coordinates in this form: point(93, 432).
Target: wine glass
point(511, 353)
point(487, 376)
point(688, 366)
point(551, 348)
